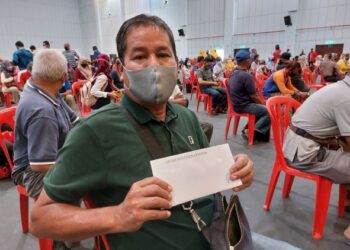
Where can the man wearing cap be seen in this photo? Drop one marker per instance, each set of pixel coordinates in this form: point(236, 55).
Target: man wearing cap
point(244, 96)
point(211, 87)
point(284, 60)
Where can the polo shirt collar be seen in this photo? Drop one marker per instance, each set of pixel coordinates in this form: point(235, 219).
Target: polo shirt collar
point(32, 85)
point(143, 115)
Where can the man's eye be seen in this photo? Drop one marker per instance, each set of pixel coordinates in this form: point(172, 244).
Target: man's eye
point(139, 57)
point(164, 55)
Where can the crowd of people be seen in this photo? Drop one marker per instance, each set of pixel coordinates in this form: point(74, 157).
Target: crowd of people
point(60, 159)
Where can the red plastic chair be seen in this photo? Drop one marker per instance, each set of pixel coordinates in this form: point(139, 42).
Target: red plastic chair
point(7, 117)
point(208, 101)
point(237, 116)
point(279, 108)
point(310, 81)
point(89, 204)
point(84, 111)
point(194, 84)
point(260, 81)
point(8, 99)
point(185, 81)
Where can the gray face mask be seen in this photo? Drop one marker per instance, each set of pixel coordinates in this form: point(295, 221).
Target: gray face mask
point(153, 84)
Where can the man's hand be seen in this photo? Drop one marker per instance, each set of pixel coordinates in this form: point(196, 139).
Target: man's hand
point(243, 169)
point(146, 200)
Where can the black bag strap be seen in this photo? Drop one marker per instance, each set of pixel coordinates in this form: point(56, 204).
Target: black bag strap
point(148, 139)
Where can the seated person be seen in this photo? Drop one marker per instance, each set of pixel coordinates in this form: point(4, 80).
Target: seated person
point(283, 61)
point(245, 99)
point(262, 70)
point(8, 80)
point(343, 64)
point(210, 87)
point(83, 71)
point(199, 63)
point(102, 88)
point(24, 75)
point(255, 63)
point(317, 131)
point(218, 70)
point(279, 83)
point(67, 94)
point(297, 80)
point(330, 69)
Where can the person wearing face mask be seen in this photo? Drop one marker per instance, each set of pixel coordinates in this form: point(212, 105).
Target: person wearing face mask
point(105, 158)
point(83, 70)
point(343, 64)
point(8, 80)
point(218, 70)
point(185, 69)
point(209, 86)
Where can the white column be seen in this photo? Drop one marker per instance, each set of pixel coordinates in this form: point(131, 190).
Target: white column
point(98, 25)
point(229, 26)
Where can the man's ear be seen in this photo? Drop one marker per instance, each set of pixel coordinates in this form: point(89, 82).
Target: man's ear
point(64, 76)
point(120, 70)
point(177, 67)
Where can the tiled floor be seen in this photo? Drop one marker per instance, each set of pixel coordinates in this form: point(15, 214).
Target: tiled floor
point(289, 219)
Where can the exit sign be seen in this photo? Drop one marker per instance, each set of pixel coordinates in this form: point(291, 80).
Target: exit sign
point(328, 42)
point(243, 46)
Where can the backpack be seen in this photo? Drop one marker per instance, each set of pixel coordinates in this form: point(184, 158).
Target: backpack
point(86, 98)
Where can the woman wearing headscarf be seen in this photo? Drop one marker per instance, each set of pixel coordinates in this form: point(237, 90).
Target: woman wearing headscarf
point(8, 80)
point(83, 71)
point(103, 88)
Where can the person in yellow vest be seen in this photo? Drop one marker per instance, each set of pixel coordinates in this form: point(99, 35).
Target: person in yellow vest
point(343, 64)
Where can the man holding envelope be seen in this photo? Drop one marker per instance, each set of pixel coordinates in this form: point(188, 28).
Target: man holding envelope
point(105, 158)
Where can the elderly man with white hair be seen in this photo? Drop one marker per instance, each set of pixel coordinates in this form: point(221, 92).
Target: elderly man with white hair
point(43, 120)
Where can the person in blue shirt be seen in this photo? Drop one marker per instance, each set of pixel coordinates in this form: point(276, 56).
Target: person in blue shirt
point(96, 52)
point(21, 57)
point(67, 94)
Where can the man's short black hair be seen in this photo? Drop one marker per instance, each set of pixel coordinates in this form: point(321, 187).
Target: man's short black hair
point(200, 58)
point(32, 47)
point(209, 58)
point(47, 43)
point(277, 46)
point(94, 47)
point(137, 21)
point(19, 44)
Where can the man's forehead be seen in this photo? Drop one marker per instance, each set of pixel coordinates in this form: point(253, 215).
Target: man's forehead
point(138, 37)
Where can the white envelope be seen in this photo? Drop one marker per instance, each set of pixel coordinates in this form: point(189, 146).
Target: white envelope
point(197, 173)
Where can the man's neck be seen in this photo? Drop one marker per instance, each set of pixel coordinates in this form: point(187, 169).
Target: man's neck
point(158, 110)
point(50, 88)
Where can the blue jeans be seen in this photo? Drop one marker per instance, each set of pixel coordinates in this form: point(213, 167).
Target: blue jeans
point(218, 95)
point(262, 118)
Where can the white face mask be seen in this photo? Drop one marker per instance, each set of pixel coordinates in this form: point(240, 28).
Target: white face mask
point(153, 84)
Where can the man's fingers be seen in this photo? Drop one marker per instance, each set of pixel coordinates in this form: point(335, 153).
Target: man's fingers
point(242, 172)
point(147, 215)
point(240, 161)
point(155, 203)
point(237, 189)
point(154, 180)
point(154, 190)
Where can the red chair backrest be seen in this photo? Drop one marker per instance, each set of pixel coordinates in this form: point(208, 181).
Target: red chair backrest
point(7, 116)
point(229, 102)
point(280, 109)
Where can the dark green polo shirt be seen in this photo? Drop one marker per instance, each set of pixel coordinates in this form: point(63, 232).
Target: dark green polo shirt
point(103, 156)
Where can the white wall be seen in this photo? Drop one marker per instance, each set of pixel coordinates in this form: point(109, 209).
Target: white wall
point(33, 21)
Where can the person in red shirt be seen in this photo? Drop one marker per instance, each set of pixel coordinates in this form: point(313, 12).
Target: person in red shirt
point(312, 57)
point(276, 54)
point(24, 76)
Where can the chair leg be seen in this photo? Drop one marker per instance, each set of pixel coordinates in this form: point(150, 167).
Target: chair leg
point(228, 121)
point(272, 185)
point(45, 244)
point(23, 204)
point(236, 119)
point(323, 194)
point(342, 200)
point(205, 103)
point(210, 105)
point(287, 186)
point(251, 128)
point(198, 102)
